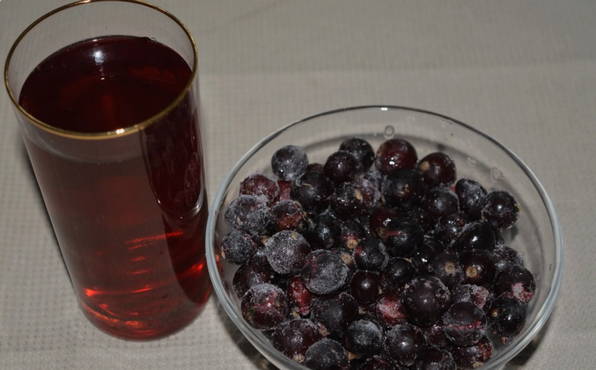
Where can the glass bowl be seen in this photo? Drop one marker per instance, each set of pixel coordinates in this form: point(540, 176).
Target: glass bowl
point(536, 235)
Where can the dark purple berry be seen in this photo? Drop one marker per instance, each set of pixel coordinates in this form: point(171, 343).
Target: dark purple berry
point(395, 154)
point(402, 237)
point(260, 185)
point(380, 217)
point(446, 267)
point(403, 189)
point(448, 228)
point(286, 251)
point(264, 306)
point(324, 272)
point(312, 190)
point(402, 343)
point(426, 298)
point(440, 202)
point(397, 273)
point(474, 356)
point(479, 267)
point(500, 209)
point(370, 254)
point(433, 358)
point(251, 274)
point(517, 281)
point(289, 162)
point(249, 213)
point(375, 363)
point(375, 176)
point(335, 313)
point(437, 169)
point(285, 189)
point(478, 235)
point(351, 234)
point(347, 201)
point(476, 294)
point(425, 253)
point(390, 310)
point(287, 214)
point(435, 336)
point(326, 354)
point(471, 197)
point(294, 337)
point(363, 337)
point(365, 286)
point(361, 150)
point(341, 166)
point(299, 296)
point(464, 324)
point(237, 246)
point(371, 196)
point(326, 233)
point(506, 318)
point(505, 256)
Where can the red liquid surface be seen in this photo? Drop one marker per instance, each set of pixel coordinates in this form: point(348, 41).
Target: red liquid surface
point(129, 212)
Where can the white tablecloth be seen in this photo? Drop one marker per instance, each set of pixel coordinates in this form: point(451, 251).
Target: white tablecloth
point(521, 71)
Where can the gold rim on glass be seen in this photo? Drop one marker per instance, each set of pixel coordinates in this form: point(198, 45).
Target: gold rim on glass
point(105, 134)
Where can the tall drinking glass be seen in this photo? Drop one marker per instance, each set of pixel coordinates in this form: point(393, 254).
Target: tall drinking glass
point(106, 95)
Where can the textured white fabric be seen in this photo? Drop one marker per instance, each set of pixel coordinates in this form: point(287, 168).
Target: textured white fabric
point(521, 71)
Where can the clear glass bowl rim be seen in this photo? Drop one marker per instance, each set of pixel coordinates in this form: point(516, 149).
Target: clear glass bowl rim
point(270, 352)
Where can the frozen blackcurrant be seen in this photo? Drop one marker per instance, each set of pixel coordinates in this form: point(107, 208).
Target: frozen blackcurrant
point(312, 190)
point(402, 343)
point(294, 337)
point(478, 235)
point(363, 337)
point(324, 272)
point(390, 310)
point(286, 251)
point(287, 214)
point(260, 185)
point(446, 267)
point(437, 169)
point(264, 306)
point(341, 166)
point(249, 213)
point(402, 237)
point(471, 197)
point(464, 324)
point(506, 318)
point(375, 363)
point(435, 336)
point(404, 188)
point(433, 358)
point(361, 150)
point(326, 354)
point(397, 273)
point(335, 313)
point(238, 246)
point(365, 286)
point(474, 356)
point(370, 254)
point(426, 298)
point(476, 294)
point(505, 257)
point(478, 266)
point(299, 296)
point(250, 274)
point(289, 162)
point(351, 233)
point(517, 281)
point(347, 201)
point(500, 209)
point(425, 253)
point(440, 202)
point(395, 154)
point(449, 227)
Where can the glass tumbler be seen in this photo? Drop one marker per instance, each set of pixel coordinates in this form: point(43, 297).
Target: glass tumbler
point(121, 171)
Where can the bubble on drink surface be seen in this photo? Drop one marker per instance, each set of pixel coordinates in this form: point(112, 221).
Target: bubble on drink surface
point(249, 213)
point(289, 162)
point(286, 251)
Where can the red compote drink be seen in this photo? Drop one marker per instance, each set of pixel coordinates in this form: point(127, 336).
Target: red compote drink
point(125, 191)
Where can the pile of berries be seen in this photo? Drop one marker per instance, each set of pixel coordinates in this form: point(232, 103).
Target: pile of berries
point(376, 260)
